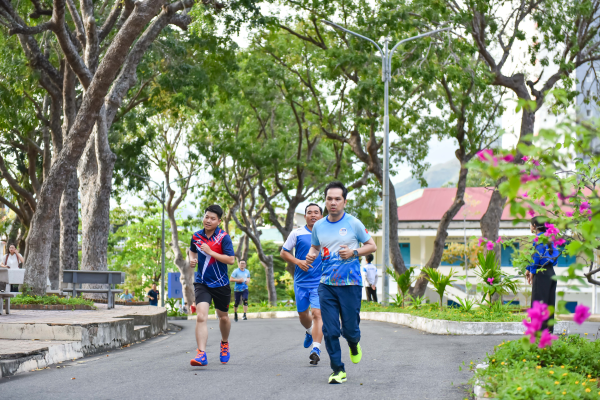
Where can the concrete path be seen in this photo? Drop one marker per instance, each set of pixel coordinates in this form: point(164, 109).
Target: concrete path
point(267, 362)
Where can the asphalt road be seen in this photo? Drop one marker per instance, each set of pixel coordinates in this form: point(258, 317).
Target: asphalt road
point(268, 361)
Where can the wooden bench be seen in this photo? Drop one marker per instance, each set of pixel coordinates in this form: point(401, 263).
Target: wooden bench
point(5, 297)
point(74, 278)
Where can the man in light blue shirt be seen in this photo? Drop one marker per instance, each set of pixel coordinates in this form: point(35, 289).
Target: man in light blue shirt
point(306, 280)
point(241, 277)
point(338, 238)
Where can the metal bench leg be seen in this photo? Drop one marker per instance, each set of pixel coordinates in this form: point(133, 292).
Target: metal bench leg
point(1, 304)
point(8, 306)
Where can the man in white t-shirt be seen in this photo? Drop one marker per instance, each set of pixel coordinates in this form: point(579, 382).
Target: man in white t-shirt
point(370, 280)
point(11, 260)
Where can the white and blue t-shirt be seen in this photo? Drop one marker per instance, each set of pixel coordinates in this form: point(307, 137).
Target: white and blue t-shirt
point(331, 236)
point(299, 240)
point(238, 273)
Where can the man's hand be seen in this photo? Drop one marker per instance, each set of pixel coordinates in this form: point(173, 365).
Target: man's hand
point(193, 262)
point(529, 277)
point(373, 287)
point(302, 264)
point(206, 248)
point(310, 258)
point(345, 253)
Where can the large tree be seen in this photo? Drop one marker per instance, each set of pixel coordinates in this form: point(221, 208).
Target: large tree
point(86, 59)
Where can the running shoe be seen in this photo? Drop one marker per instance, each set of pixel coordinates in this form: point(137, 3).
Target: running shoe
point(355, 352)
point(315, 356)
point(200, 360)
point(244, 317)
point(224, 352)
point(235, 317)
point(337, 377)
point(308, 340)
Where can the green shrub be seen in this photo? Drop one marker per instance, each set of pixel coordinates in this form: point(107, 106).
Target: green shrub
point(439, 281)
point(569, 369)
point(51, 300)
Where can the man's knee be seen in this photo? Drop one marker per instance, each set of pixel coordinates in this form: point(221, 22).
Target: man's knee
point(201, 318)
point(246, 302)
point(316, 313)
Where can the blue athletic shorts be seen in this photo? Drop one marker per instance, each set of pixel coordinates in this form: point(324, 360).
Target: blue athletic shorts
point(306, 297)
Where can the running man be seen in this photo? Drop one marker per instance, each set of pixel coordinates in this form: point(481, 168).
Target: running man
point(306, 280)
point(241, 277)
point(338, 238)
point(212, 250)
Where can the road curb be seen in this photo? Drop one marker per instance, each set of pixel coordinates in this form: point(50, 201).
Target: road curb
point(435, 326)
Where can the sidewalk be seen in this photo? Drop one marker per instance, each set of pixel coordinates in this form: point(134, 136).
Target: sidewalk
point(31, 339)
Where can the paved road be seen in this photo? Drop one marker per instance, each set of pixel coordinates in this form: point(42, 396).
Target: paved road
point(267, 362)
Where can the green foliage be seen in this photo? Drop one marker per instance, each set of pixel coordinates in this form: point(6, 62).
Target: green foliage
point(257, 288)
point(439, 281)
point(466, 304)
point(493, 279)
point(521, 370)
point(404, 281)
point(416, 301)
point(51, 300)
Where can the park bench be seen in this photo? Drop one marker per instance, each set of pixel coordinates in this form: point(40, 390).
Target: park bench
point(5, 297)
point(74, 278)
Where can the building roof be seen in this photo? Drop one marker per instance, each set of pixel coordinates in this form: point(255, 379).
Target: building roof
point(431, 204)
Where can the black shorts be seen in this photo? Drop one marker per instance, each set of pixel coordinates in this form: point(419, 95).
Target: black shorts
point(220, 295)
point(241, 295)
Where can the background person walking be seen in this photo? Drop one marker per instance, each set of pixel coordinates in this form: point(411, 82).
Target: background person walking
point(11, 260)
point(540, 272)
point(338, 238)
point(306, 280)
point(370, 272)
point(241, 277)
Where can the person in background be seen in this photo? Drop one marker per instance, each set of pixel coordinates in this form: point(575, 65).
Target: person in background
point(370, 282)
point(128, 297)
point(540, 272)
point(241, 277)
point(11, 261)
point(153, 295)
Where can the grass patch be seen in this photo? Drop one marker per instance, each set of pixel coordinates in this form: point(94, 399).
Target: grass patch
point(432, 311)
point(568, 369)
point(50, 300)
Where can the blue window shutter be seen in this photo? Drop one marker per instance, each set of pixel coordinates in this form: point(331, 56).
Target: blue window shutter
point(506, 256)
point(405, 252)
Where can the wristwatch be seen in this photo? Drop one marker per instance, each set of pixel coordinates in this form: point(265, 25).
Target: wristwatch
point(355, 253)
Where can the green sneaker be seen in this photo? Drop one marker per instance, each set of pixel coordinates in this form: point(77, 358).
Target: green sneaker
point(356, 354)
point(337, 377)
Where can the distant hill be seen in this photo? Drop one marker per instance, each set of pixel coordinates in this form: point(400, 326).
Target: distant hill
point(435, 176)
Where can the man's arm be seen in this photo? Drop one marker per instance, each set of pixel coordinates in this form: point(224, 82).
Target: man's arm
point(368, 247)
point(312, 255)
point(288, 257)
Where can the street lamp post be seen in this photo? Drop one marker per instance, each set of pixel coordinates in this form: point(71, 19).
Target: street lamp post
point(386, 63)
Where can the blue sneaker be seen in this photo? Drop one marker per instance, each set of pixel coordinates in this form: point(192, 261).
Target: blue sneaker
point(315, 356)
point(200, 360)
point(224, 352)
point(307, 340)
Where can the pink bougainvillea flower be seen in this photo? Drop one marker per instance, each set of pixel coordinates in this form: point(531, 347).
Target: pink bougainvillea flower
point(531, 212)
point(489, 245)
point(535, 239)
point(542, 203)
point(538, 313)
point(584, 206)
point(569, 213)
point(525, 158)
point(536, 163)
point(560, 242)
point(508, 158)
point(525, 195)
point(490, 281)
point(499, 240)
point(551, 229)
point(486, 155)
point(546, 339)
point(581, 314)
point(530, 177)
point(481, 240)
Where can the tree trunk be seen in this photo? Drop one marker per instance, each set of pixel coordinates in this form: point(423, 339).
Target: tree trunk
point(95, 172)
point(442, 232)
point(267, 263)
point(54, 267)
point(69, 226)
point(187, 273)
point(14, 233)
point(398, 263)
point(490, 222)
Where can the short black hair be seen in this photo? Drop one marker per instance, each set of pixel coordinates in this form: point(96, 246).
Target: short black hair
point(370, 258)
point(538, 224)
point(337, 185)
point(215, 208)
point(313, 204)
point(242, 261)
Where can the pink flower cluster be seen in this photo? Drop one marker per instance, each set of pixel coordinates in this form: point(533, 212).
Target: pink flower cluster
point(582, 313)
point(490, 281)
point(551, 232)
point(538, 314)
point(527, 177)
point(487, 155)
point(489, 244)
